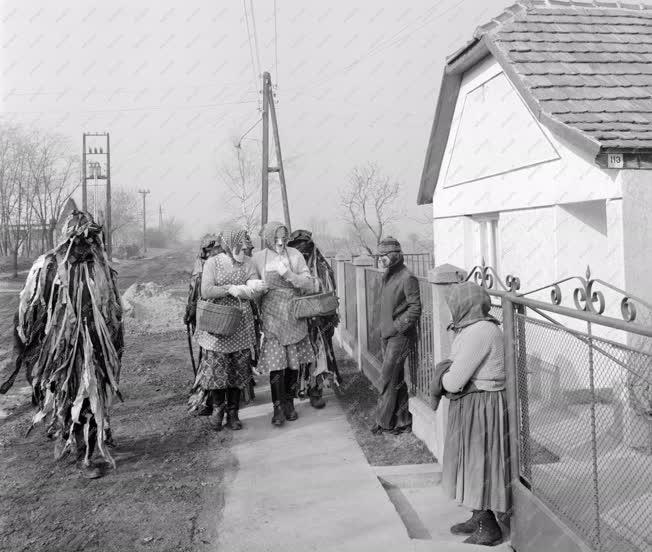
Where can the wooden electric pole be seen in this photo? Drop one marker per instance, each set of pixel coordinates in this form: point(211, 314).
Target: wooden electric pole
point(144, 194)
point(269, 109)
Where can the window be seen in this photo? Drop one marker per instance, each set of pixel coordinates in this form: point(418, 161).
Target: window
point(487, 240)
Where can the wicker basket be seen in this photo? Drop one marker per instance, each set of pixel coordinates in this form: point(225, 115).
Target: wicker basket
point(318, 304)
point(218, 319)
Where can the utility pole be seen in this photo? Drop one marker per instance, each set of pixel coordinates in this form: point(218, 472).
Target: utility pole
point(96, 174)
point(268, 108)
point(264, 210)
point(144, 194)
point(160, 217)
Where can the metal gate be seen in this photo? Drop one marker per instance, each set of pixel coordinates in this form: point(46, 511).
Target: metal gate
point(579, 386)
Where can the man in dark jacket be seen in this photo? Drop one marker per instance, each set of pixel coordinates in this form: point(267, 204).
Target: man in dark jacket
point(400, 309)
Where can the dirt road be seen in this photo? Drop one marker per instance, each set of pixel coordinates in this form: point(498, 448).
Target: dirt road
point(170, 466)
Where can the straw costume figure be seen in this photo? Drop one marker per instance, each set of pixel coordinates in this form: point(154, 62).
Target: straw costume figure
point(69, 339)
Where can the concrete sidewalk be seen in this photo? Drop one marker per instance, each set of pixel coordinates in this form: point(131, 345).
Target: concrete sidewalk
point(307, 486)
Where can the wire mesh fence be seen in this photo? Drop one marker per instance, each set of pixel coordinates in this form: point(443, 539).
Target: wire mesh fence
point(585, 431)
point(421, 360)
point(350, 291)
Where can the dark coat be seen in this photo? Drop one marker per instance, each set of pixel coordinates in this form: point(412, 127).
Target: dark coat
point(400, 302)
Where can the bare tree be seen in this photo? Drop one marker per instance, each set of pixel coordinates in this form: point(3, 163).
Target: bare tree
point(125, 216)
point(53, 174)
point(369, 204)
point(241, 178)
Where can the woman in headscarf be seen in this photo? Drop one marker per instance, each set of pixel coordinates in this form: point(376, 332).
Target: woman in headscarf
point(320, 329)
point(476, 469)
point(228, 278)
point(286, 346)
point(400, 309)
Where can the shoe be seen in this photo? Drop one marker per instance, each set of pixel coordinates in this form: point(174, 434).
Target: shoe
point(316, 399)
point(233, 405)
point(90, 471)
point(377, 430)
point(289, 411)
point(467, 527)
point(278, 419)
point(487, 532)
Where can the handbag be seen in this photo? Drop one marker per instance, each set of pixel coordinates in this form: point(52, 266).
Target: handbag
point(323, 303)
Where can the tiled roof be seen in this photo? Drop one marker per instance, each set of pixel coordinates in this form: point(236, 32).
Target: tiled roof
point(587, 65)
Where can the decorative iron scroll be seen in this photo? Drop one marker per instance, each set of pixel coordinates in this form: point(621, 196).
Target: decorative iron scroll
point(487, 277)
point(586, 297)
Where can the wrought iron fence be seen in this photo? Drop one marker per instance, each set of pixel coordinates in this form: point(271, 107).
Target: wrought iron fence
point(421, 360)
point(350, 301)
point(582, 408)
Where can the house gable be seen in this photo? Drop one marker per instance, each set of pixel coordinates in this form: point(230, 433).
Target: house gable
point(494, 133)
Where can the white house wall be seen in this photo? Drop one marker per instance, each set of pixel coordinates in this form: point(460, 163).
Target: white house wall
point(531, 175)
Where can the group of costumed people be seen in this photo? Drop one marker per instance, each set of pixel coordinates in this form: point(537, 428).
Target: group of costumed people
point(68, 337)
point(296, 353)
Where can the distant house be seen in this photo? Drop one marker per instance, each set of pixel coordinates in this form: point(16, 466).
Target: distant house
point(541, 146)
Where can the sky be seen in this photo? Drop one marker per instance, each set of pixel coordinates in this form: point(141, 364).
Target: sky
point(177, 83)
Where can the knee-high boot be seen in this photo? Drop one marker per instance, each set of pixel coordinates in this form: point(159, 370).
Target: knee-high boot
point(218, 400)
point(277, 384)
point(291, 380)
point(232, 408)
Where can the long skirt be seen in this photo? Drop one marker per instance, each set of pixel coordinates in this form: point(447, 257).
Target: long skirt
point(476, 470)
point(223, 370)
point(392, 410)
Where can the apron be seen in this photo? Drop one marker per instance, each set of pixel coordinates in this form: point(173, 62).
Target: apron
point(276, 310)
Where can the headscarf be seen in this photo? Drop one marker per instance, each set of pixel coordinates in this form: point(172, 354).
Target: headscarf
point(302, 240)
point(469, 303)
point(208, 242)
point(230, 238)
point(269, 233)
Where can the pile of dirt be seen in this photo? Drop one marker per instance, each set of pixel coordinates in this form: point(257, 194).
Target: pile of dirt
point(150, 308)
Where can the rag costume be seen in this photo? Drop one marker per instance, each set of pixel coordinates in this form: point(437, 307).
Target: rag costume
point(69, 339)
point(320, 329)
point(476, 465)
point(286, 347)
point(400, 309)
point(229, 278)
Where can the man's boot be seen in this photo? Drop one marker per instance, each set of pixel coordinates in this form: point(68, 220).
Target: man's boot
point(218, 400)
point(467, 527)
point(316, 399)
point(232, 407)
point(291, 379)
point(487, 532)
point(277, 385)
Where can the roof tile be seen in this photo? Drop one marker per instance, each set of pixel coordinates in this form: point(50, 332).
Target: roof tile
point(589, 68)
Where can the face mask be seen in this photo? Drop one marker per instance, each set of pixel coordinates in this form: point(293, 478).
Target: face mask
point(239, 257)
point(384, 261)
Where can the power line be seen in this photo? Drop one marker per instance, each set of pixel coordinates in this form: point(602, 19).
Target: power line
point(275, 48)
point(128, 109)
point(251, 50)
point(253, 21)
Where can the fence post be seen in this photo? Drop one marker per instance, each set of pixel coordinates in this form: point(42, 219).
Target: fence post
point(442, 278)
point(340, 260)
point(361, 264)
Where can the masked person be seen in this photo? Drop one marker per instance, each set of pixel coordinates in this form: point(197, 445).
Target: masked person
point(199, 403)
point(70, 341)
point(286, 347)
point(320, 329)
point(228, 278)
point(400, 309)
point(476, 469)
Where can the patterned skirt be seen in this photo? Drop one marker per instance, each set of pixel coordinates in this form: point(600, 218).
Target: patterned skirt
point(274, 356)
point(222, 370)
